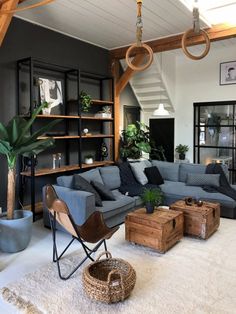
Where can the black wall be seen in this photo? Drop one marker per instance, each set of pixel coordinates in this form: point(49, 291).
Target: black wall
point(24, 39)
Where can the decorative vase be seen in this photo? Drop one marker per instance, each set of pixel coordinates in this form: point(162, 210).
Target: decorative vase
point(15, 233)
point(149, 208)
point(182, 156)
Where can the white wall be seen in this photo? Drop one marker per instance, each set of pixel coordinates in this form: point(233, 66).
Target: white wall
point(198, 81)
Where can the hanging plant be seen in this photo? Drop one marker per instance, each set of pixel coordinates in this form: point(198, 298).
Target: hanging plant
point(86, 101)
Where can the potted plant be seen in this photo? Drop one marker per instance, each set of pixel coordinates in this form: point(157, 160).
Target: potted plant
point(135, 140)
point(181, 150)
point(86, 101)
point(104, 113)
point(88, 159)
point(16, 140)
point(152, 198)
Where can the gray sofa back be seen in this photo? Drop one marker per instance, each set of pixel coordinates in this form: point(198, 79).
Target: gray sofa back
point(111, 177)
point(184, 169)
point(168, 170)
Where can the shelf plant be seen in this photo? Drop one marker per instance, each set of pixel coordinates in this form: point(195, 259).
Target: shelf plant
point(86, 101)
point(16, 140)
point(135, 140)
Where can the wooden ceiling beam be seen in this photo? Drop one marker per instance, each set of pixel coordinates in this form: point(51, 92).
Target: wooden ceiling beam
point(126, 76)
point(218, 32)
point(5, 19)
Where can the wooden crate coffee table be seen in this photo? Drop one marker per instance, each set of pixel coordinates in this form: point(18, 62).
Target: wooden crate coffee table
point(160, 230)
point(201, 221)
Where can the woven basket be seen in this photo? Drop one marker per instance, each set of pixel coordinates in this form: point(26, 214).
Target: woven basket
point(109, 280)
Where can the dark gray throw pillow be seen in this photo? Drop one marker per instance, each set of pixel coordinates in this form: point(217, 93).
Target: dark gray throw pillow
point(79, 183)
point(103, 191)
point(203, 179)
point(153, 175)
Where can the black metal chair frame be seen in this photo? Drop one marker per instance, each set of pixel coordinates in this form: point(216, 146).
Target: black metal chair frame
point(88, 251)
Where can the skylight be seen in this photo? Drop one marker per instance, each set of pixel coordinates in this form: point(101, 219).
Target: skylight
point(215, 11)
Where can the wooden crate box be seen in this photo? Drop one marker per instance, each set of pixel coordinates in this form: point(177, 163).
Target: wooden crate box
point(201, 221)
point(160, 230)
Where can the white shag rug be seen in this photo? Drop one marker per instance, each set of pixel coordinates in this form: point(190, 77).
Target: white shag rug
point(193, 277)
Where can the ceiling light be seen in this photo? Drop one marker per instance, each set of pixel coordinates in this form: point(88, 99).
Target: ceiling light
point(161, 111)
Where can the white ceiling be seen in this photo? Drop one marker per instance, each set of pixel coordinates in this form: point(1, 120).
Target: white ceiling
point(112, 23)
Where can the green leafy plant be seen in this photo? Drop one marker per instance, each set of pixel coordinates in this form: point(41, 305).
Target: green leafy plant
point(86, 101)
point(152, 196)
point(181, 149)
point(106, 109)
point(15, 140)
point(135, 140)
point(88, 156)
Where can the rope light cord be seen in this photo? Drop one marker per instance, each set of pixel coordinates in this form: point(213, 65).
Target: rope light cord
point(139, 44)
point(19, 9)
point(197, 31)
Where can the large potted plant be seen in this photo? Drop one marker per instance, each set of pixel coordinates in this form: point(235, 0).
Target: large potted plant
point(16, 140)
point(135, 140)
point(152, 198)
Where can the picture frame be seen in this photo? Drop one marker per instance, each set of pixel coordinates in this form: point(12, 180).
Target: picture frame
point(228, 73)
point(50, 91)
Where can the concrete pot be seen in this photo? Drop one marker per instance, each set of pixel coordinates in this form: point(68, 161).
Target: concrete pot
point(15, 234)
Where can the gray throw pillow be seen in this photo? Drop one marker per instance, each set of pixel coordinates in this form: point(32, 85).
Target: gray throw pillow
point(138, 171)
point(203, 179)
point(103, 191)
point(79, 183)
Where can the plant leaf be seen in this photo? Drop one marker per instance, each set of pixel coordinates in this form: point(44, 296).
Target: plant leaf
point(3, 132)
point(5, 147)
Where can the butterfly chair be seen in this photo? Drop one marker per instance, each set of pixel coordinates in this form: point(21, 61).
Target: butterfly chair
point(94, 230)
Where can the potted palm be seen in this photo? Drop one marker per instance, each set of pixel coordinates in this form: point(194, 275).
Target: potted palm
point(16, 140)
point(152, 198)
point(181, 150)
point(135, 140)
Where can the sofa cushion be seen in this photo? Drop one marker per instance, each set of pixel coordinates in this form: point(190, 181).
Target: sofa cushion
point(169, 170)
point(126, 174)
point(92, 175)
point(79, 183)
point(111, 177)
point(153, 175)
point(185, 168)
point(202, 179)
point(66, 181)
point(138, 171)
point(103, 191)
point(178, 190)
point(121, 204)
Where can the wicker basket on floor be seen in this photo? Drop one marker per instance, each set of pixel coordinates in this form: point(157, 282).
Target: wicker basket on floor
point(109, 280)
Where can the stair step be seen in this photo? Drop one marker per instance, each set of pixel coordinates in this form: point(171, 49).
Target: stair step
point(152, 95)
point(147, 85)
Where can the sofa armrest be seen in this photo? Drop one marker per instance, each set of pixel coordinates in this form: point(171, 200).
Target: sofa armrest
point(80, 203)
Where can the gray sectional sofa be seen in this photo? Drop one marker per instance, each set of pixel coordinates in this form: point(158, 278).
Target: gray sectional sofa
point(82, 204)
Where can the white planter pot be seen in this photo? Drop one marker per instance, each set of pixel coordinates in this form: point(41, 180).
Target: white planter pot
point(15, 234)
point(88, 161)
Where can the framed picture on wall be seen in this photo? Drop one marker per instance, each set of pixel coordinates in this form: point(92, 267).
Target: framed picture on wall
point(228, 73)
point(50, 91)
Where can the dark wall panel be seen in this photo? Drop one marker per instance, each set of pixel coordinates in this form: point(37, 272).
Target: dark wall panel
point(24, 39)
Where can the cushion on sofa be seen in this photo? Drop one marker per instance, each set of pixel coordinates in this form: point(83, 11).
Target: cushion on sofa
point(66, 181)
point(153, 175)
point(79, 183)
point(103, 191)
point(138, 171)
point(168, 170)
point(92, 175)
point(111, 177)
point(203, 179)
point(126, 174)
point(185, 168)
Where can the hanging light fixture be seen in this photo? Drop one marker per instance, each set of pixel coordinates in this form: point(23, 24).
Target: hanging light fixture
point(160, 111)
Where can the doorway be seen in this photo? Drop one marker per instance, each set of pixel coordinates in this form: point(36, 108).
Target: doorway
point(131, 115)
point(162, 132)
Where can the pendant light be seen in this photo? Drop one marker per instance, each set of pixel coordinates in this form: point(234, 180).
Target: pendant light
point(161, 111)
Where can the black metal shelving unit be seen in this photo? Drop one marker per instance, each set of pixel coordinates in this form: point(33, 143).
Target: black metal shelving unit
point(70, 140)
